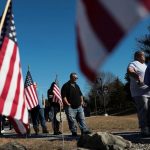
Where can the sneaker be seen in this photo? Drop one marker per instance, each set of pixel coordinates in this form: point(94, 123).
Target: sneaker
point(3, 131)
point(145, 132)
point(74, 134)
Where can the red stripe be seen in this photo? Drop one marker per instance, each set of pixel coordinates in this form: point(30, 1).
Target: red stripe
point(29, 95)
point(23, 111)
point(3, 50)
point(32, 100)
point(105, 27)
point(8, 78)
point(16, 98)
point(91, 75)
point(57, 92)
point(34, 93)
point(28, 102)
point(146, 3)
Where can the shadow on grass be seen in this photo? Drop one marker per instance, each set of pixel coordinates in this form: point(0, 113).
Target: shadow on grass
point(134, 137)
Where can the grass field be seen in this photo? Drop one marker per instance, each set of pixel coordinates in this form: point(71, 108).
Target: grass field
point(95, 123)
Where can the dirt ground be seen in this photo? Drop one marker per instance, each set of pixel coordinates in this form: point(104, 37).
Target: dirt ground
point(95, 123)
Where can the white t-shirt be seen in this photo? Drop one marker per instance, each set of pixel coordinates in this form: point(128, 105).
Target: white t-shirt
point(136, 88)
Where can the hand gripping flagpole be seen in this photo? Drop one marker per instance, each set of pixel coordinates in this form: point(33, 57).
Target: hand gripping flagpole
point(4, 15)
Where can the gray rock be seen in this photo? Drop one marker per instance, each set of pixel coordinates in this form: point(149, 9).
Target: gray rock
point(103, 141)
point(12, 146)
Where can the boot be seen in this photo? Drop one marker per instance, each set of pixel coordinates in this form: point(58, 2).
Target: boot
point(36, 130)
point(45, 130)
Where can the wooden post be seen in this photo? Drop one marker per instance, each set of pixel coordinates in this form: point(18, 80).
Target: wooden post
point(4, 15)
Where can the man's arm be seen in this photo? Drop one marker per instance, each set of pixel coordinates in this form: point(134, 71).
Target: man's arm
point(131, 71)
point(82, 102)
point(66, 101)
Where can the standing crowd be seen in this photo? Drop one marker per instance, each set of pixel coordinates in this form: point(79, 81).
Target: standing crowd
point(72, 103)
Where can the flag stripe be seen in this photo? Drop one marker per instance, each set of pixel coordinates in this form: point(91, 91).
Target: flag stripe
point(4, 61)
point(30, 95)
point(9, 74)
point(101, 24)
point(30, 92)
point(12, 102)
point(83, 65)
point(29, 100)
point(97, 15)
point(16, 98)
point(57, 95)
point(12, 83)
point(146, 3)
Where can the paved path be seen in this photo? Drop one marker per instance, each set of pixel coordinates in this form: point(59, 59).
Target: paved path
point(134, 137)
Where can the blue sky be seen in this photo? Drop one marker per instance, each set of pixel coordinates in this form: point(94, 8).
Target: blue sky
point(47, 42)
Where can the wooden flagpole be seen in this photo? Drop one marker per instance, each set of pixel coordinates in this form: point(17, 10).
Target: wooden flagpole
point(4, 15)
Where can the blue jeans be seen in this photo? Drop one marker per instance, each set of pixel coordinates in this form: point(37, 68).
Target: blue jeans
point(74, 115)
point(34, 116)
point(143, 110)
point(42, 118)
point(52, 115)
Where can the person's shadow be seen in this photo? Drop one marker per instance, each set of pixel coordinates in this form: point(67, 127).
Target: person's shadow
point(134, 137)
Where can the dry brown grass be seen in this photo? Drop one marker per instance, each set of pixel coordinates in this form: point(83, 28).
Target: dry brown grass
point(95, 123)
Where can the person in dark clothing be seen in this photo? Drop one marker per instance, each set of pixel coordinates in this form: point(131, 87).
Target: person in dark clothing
point(54, 109)
point(73, 101)
point(37, 114)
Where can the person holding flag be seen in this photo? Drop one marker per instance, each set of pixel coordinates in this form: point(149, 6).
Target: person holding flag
point(55, 101)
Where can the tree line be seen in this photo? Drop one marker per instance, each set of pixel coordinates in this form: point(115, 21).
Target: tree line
point(109, 94)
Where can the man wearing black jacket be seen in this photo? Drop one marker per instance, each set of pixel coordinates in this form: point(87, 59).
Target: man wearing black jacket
point(73, 101)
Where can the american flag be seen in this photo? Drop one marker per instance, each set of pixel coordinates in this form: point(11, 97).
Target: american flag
point(30, 92)
point(101, 24)
point(12, 100)
point(57, 94)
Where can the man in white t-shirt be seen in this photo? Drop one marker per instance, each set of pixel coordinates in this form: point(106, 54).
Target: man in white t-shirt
point(139, 91)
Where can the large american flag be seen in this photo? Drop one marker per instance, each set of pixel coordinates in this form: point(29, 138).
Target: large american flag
point(30, 92)
point(12, 100)
point(101, 24)
point(57, 94)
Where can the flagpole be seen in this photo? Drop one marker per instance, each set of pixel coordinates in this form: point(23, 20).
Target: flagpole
point(4, 15)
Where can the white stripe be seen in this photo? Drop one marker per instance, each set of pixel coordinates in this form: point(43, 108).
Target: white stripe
point(125, 12)
point(31, 94)
point(26, 113)
point(29, 102)
point(12, 89)
point(58, 96)
point(94, 50)
point(5, 65)
point(21, 100)
point(34, 93)
point(56, 89)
